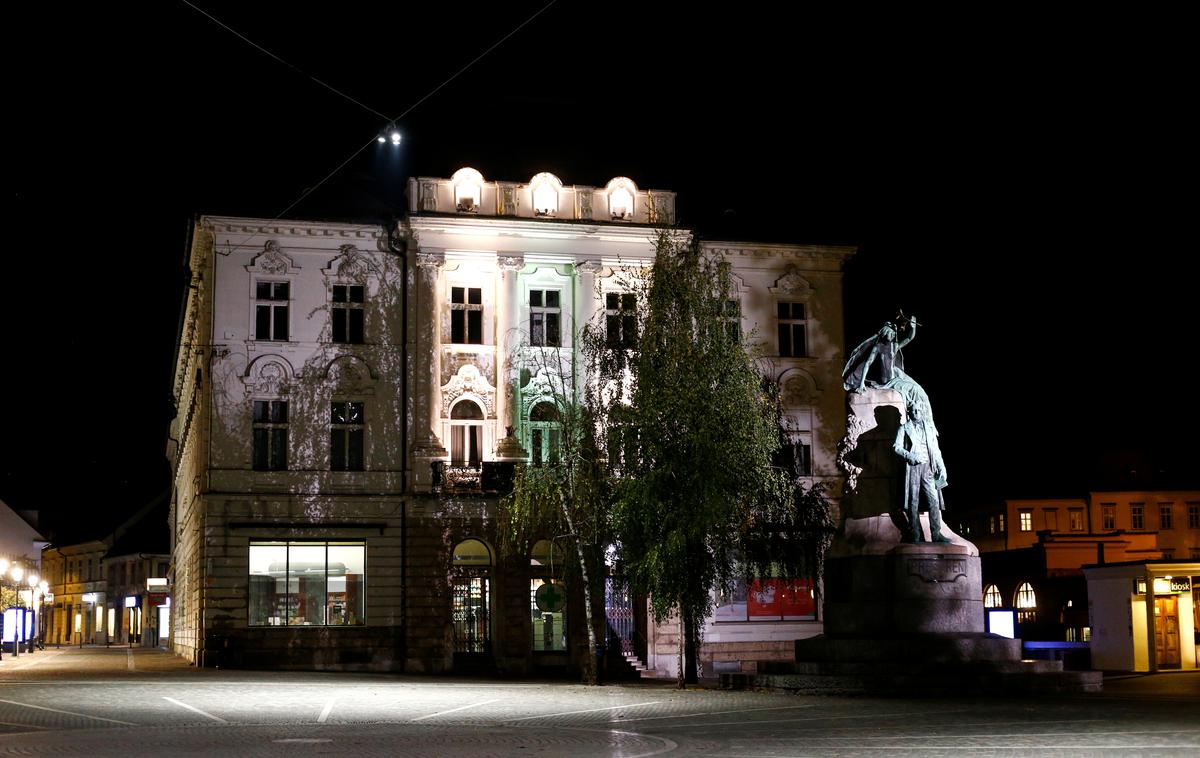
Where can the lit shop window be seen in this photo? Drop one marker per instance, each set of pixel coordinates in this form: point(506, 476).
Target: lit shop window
point(547, 599)
point(470, 597)
point(307, 583)
point(766, 600)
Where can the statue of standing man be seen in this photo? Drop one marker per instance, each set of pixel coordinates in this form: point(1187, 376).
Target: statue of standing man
point(917, 444)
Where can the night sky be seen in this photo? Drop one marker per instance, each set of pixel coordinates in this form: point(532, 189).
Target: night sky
point(1005, 180)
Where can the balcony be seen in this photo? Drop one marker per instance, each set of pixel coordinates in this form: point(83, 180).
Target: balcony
point(486, 478)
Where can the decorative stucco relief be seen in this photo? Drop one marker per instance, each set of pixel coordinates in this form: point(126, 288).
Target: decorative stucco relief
point(272, 260)
point(351, 264)
point(469, 381)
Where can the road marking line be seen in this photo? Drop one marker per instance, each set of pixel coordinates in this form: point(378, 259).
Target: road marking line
point(303, 740)
point(129, 660)
point(589, 710)
point(870, 716)
point(454, 710)
point(193, 708)
point(712, 713)
point(326, 710)
point(69, 713)
point(23, 726)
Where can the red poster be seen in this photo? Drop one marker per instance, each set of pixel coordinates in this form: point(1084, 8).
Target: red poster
point(796, 597)
point(762, 599)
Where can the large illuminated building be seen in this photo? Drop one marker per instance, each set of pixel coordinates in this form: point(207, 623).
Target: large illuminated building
point(352, 400)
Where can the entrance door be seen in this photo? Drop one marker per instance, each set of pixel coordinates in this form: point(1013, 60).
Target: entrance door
point(1166, 630)
point(618, 612)
point(470, 614)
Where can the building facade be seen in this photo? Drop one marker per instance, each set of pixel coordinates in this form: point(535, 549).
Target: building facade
point(1033, 551)
point(352, 400)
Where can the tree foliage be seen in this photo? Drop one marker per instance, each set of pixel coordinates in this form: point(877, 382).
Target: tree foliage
point(705, 433)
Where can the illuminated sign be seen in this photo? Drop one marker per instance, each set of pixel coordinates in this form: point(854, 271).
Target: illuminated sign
point(1163, 585)
point(11, 624)
point(89, 597)
point(131, 602)
point(1001, 624)
point(156, 582)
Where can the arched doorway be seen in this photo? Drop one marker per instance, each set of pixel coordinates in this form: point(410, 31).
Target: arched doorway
point(470, 603)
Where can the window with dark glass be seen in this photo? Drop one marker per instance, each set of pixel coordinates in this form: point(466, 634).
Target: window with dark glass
point(466, 434)
point(348, 313)
point(346, 424)
point(1193, 515)
point(466, 315)
point(731, 315)
point(1166, 518)
point(545, 432)
point(271, 311)
point(270, 435)
point(307, 584)
point(1137, 515)
point(795, 455)
point(545, 316)
point(620, 320)
point(793, 330)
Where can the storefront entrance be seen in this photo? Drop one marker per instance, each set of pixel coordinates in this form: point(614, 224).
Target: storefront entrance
point(1166, 631)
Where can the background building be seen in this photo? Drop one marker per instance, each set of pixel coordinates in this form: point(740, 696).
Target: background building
point(352, 399)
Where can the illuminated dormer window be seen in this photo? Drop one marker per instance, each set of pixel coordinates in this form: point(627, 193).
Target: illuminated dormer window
point(468, 190)
point(545, 188)
point(621, 194)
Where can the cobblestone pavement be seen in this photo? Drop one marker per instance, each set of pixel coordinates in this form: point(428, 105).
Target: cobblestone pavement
point(99, 701)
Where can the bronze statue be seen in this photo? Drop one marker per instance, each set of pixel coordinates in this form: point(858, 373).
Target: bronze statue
point(917, 444)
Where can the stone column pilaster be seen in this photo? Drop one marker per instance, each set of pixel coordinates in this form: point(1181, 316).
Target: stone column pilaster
point(509, 337)
point(586, 303)
point(427, 447)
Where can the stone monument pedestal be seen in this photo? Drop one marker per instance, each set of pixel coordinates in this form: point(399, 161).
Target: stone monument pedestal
point(903, 617)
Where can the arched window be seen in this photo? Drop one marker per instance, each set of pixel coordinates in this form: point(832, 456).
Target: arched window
point(621, 194)
point(468, 190)
point(466, 434)
point(1025, 602)
point(545, 188)
point(545, 433)
point(470, 597)
point(991, 597)
point(547, 598)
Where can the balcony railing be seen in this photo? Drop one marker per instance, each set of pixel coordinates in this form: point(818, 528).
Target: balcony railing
point(488, 477)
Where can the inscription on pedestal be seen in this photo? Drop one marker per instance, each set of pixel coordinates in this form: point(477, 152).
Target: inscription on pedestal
point(937, 570)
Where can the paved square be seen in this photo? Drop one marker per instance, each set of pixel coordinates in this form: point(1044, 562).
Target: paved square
point(99, 701)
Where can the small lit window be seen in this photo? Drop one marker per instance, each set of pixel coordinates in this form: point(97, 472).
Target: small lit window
point(1025, 602)
point(1026, 521)
point(1076, 515)
point(1000, 522)
point(992, 598)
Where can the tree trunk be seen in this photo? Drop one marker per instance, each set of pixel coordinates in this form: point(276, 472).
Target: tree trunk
point(679, 654)
point(589, 667)
point(689, 650)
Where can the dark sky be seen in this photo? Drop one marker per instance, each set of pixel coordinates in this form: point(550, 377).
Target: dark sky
point(1008, 180)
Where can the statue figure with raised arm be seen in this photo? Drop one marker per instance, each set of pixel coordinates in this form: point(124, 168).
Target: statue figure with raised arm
point(881, 351)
